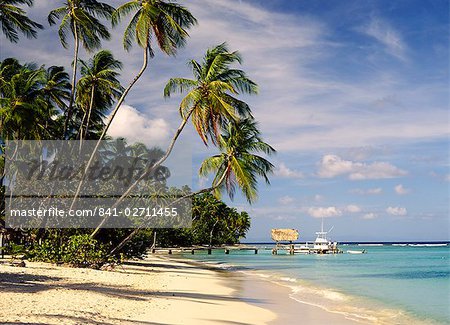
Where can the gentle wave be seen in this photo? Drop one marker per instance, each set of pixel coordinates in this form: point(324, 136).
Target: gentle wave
point(427, 245)
point(370, 244)
point(331, 300)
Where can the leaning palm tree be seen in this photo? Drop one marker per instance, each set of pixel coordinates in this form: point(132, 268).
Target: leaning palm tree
point(97, 88)
point(165, 21)
point(211, 97)
point(239, 164)
point(210, 93)
point(81, 19)
point(14, 20)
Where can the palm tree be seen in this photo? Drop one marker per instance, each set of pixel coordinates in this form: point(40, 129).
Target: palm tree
point(97, 88)
point(29, 100)
point(13, 20)
point(238, 163)
point(211, 94)
point(56, 88)
point(165, 21)
point(208, 95)
point(23, 112)
point(80, 17)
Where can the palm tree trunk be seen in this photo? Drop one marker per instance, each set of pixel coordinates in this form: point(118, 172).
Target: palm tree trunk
point(91, 104)
point(80, 131)
point(211, 233)
point(125, 93)
point(153, 167)
point(136, 230)
point(74, 77)
point(113, 114)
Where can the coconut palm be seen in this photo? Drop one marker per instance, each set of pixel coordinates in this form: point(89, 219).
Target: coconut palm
point(211, 97)
point(239, 164)
point(14, 20)
point(30, 99)
point(97, 88)
point(165, 21)
point(81, 19)
point(23, 112)
point(209, 101)
point(56, 87)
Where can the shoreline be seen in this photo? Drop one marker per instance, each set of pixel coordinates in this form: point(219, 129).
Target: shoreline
point(349, 309)
point(277, 297)
point(157, 290)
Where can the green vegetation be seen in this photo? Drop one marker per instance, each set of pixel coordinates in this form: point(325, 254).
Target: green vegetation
point(213, 223)
point(41, 103)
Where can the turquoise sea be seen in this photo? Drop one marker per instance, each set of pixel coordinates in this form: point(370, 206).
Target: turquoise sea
point(391, 284)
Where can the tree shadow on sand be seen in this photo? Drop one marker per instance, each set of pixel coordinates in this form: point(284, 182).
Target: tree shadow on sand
point(21, 282)
point(28, 283)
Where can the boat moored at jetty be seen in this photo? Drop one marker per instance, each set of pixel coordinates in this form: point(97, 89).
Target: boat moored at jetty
point(321, 245)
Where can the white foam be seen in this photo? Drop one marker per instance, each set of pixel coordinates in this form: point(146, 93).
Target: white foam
point(370, 244)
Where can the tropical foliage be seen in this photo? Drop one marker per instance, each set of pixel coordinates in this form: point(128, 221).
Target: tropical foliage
point(31, 99)
point(211, 94)
point(164, 21)
point(81, 19)
point(213, 223)
point(13, 20)
point(97, 89)
point(239, 163)
point(48, 103)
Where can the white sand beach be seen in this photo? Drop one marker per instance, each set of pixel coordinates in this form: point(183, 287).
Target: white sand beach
point(154, 291)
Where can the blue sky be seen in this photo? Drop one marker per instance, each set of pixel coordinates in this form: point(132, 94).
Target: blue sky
point(353, 95)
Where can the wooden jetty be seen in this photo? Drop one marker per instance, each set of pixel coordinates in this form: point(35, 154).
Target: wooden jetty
point(192, 250)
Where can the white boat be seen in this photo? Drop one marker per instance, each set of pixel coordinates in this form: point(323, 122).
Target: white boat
point(356, 252)
point(322, 244)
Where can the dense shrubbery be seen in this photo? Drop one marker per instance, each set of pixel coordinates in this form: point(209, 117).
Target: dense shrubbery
point(214, 223)
point(78, 250)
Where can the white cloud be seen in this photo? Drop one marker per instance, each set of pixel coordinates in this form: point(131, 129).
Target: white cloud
point(137, 127)
point(369, 216)
point(285, 200)
point(328, 111)
point(388, 36)
point(370, 191)
point(332, 166)
point(397, 211)
point(283, 171)
point(352, 208)
point(400, 190)
point(325, 212)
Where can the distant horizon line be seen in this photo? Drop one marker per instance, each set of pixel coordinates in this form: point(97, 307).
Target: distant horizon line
point(362, 242)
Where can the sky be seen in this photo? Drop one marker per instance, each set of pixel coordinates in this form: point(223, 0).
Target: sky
point(354, 96)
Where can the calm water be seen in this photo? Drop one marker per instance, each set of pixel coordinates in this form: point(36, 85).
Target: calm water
point(389, 284)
